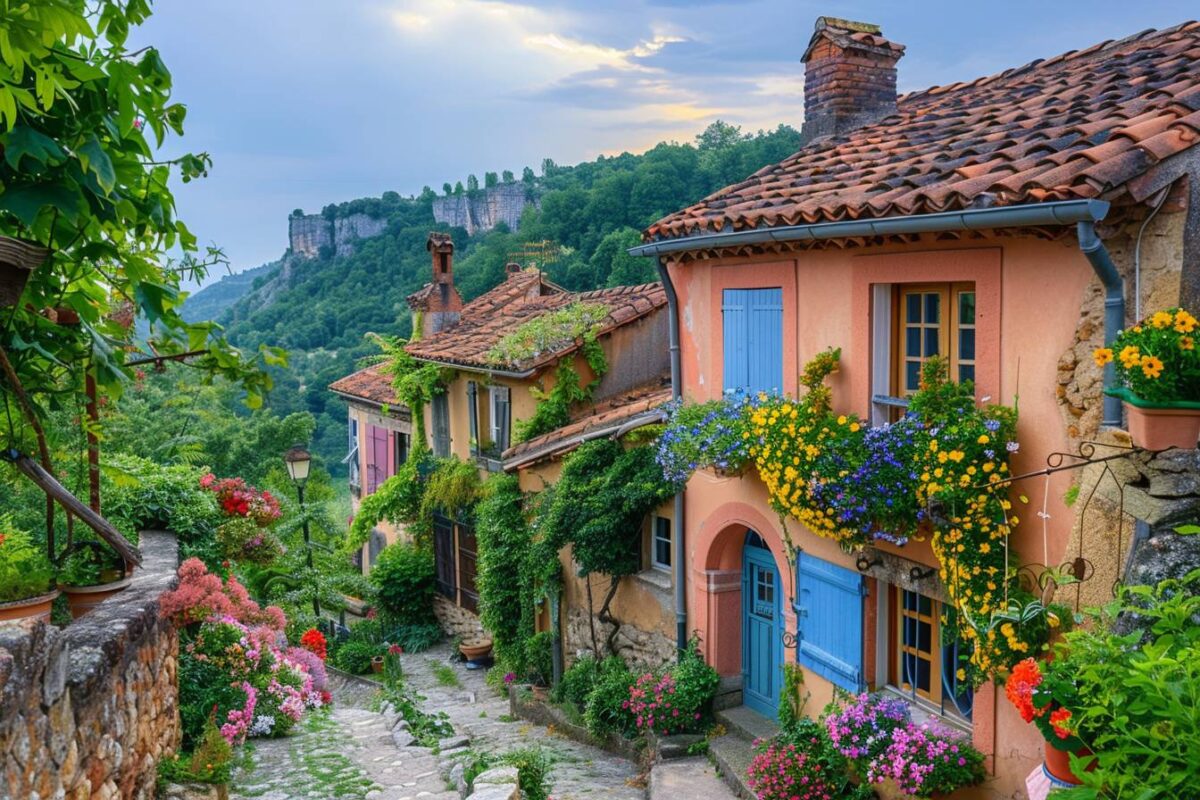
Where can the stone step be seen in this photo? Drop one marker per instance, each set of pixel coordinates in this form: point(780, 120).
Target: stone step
point(692, 778)
point(747, 724)
point(732, 755)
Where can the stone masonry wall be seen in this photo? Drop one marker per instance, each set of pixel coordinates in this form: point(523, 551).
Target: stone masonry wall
point(457, 621)
point(504, 203)
point(639, 648)
point(88, 710)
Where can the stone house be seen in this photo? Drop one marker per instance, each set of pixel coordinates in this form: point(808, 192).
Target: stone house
point(1001, 223)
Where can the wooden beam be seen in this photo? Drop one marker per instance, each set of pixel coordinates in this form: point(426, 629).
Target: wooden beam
point(48, 484)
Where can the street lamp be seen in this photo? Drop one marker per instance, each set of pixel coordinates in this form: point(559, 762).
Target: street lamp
point(298, 463)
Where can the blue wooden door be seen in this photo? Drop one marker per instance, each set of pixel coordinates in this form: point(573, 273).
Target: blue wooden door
point(762, 649)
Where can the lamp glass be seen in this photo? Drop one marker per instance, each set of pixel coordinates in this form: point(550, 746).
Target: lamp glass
point(298, 463)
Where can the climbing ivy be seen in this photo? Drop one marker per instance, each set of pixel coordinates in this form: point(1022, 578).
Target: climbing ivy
point(414, 382)
point(548, 333)
point(397, 499)
point(554, 407)
point(503, 536)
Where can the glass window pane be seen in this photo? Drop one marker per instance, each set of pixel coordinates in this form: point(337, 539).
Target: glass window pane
point(922, 675)
point(912, 342)
point(966, 308)
point(912, 305)
point(910, 600)
point(924, 604)
point(662, 552)
point(924, 637)
point(912, 375)
point(966, 372)
point(933, 307)
point(931, 341)
point(966, 344)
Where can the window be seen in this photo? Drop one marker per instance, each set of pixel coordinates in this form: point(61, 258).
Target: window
point(660, 550)
point(910, 323)
point(829, 621)
point(934, 320)
point(351, 459)
point(499, 412)
point(377, 457)
point(752, 332)
point(402, 443)
point(922, 666)
point(441, 425)
point(473, 415)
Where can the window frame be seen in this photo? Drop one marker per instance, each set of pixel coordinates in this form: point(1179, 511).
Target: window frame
point(656, 526)
point(938, 699)
point(499, 416)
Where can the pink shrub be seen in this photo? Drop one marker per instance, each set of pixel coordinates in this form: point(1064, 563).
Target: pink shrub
point(782, 772)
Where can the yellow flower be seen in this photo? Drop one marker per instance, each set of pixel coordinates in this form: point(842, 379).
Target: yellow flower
point(1161, 319)
point(1103, 355)
point(985, 548)
point(1130, 356)
point(1184, 322)
point(1052, 619)
point(1151, 367)
point(983, 438)
point(854, 426)
point(1187, 343)
point(961, 674)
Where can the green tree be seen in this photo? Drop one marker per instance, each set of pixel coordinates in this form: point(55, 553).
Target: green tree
point(527, 176)
point(447, 188)
point(490, 179)
point(507, 176)
point(612, 259)
point(472, 183)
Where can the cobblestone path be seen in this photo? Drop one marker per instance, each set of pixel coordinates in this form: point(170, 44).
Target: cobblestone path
point(349, 752)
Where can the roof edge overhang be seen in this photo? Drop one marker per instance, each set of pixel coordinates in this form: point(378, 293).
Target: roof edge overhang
point(616, 429)
point(1058, 213)
point(397, 407)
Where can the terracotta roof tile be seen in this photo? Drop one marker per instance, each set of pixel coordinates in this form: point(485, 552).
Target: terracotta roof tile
point(368, 384)
point(1078, 125)
point(604, 416)
point(491, 316)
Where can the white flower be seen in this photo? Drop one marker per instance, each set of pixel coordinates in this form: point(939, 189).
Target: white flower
point(1012, 447)
point(263, 725)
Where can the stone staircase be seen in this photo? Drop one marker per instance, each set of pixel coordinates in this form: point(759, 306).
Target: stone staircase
point(734, 751)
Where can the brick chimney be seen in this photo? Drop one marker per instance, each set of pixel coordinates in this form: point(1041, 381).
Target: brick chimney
point(438, 305)
point(849, 77)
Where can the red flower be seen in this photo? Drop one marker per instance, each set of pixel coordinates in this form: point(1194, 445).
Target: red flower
point(1058, 720)
point(1025, 677)
point(314, 641)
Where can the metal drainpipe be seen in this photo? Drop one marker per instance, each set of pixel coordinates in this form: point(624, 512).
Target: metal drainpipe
point(1114, 308)
point(680, 554)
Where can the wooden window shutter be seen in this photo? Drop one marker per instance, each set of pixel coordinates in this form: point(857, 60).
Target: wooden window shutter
point(504, 413)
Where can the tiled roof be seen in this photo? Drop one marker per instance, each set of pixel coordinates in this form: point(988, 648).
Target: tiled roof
point(1077, 126)
point(488, 318)
point(368, 384)
point(609, 415)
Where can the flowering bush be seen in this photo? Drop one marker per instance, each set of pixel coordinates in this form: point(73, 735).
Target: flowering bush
point(202, 595)
point(238, 499)
point(862, 728)
point(243, 540)
point(712, 434)
point(782, 771)
point(1045, 694)
point(678, 700)
point(1157, 359)
point(314, 641)
point(924, 759)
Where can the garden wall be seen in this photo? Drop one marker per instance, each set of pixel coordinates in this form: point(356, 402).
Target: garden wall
point(89, 709)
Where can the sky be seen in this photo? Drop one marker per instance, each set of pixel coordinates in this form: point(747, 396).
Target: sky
point(302, 103)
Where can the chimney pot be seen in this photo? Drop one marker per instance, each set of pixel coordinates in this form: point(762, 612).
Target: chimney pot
point(849, 77)
point(439, 304)
point(512, 268)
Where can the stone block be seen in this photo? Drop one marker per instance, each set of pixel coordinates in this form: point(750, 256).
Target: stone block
point(497, 775)
point(402, 738)
point(494, 792)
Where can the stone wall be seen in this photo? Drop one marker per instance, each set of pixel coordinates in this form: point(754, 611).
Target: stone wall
point(481, 212)
point(457, 621)
point(637, 647)
point(309, 233)
point(88, 710)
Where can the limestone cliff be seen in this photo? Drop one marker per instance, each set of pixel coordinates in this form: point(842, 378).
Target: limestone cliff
point(482, 211)
point(309, 233)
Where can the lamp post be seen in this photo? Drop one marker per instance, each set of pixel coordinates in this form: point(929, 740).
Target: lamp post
point(298, 463)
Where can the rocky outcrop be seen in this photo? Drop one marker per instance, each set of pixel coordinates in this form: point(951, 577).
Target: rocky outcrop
point(90, 709)
point(485, 209)
point(308, 234)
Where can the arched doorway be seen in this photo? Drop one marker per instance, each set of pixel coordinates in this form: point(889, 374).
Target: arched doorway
point(762, 627)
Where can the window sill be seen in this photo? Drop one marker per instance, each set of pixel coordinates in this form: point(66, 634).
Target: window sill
point(924, 711)
point(656, 578)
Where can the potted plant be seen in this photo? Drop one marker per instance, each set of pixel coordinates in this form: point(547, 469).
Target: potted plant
point(1158, 365)
point(475, 649)
point(89, 574)
point(18, 258)
point(1045, 693)
point(26, 578)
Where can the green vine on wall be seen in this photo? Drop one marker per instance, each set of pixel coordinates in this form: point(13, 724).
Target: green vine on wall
point(554, 407)
point(415, 383)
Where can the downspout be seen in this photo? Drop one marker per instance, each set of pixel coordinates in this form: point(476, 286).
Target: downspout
point(679, 556)
point(1114, 308)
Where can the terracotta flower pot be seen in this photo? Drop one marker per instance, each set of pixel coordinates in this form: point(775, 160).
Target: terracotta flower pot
point(18, 259)
point(1058, 764)
point(83, 599)
point(1163, 428)
point(377, 664)
point(29, 608)
point(473, 651)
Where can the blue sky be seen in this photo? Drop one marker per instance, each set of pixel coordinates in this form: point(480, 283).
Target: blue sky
point(302, 103)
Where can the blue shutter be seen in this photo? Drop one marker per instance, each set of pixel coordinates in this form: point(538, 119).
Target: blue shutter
point(764, 337)
point(752, 329)
point(733, 323)
point(829, 621)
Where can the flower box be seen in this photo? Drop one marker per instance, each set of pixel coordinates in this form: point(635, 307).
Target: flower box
point(1161, 427)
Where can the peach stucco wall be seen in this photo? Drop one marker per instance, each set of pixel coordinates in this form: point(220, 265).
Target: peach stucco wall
point(1029, 293)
